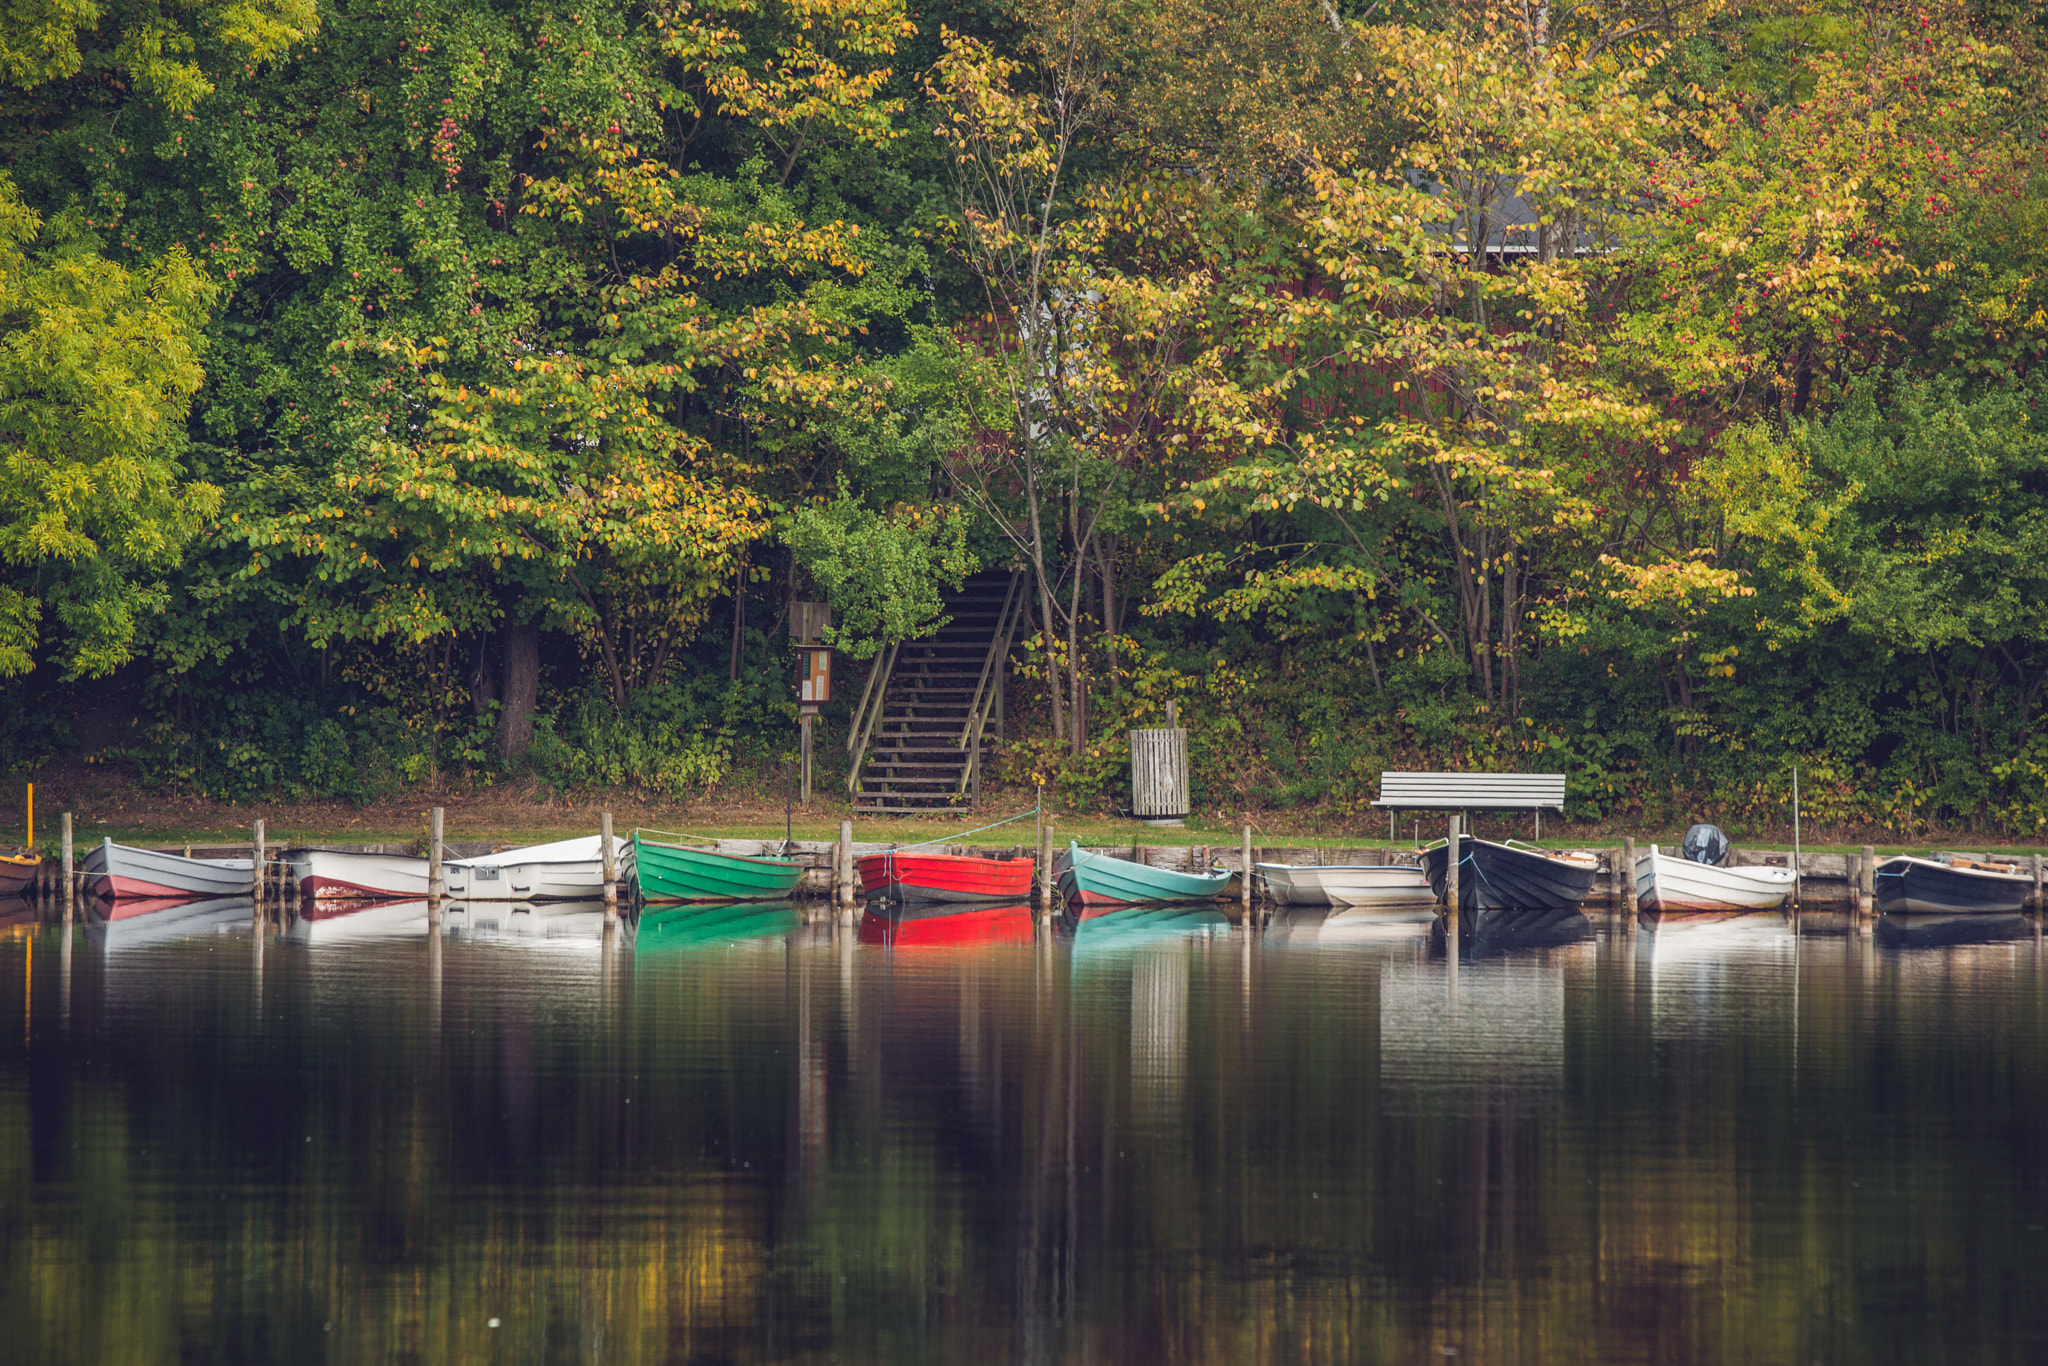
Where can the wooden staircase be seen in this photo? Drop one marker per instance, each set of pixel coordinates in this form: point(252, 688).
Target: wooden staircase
point(933, 708)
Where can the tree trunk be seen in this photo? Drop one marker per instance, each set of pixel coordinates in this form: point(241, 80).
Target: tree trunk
point(519, 647)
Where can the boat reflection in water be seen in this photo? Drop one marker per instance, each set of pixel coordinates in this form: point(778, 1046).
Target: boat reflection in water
point(705, 927)
point(1095, 929)
point(329, 922)
point(1482, 934)
point(1310, 926)
point(904, 924)
point(578, 921)
point(1943, 931)
point(134, 921)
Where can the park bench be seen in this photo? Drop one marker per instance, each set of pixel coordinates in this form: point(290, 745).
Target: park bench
point(1472, 792)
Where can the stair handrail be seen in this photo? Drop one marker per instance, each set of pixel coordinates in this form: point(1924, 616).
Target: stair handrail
point(868, 718)
point(997, 642)
point(977, 719)
point(876, 671)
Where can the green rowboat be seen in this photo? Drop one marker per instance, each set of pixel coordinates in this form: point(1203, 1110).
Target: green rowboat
point(677, 872)
point(1100, 880)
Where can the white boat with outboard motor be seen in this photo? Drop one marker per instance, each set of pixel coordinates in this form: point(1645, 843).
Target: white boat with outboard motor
point(1696, 879)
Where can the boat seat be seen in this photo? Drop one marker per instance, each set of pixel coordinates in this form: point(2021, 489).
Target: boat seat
point(1471, 791)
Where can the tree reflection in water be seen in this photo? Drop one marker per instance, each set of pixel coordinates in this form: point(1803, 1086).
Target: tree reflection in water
point(1145, 1136)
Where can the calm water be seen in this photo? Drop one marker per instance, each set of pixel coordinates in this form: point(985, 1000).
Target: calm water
point(731, 1138)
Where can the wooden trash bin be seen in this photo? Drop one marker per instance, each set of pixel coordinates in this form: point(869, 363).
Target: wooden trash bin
point(1159, 776)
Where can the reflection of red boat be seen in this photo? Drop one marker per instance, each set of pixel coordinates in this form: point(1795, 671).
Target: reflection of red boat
point(110, 908)
point(944, 877)
point(906, 925)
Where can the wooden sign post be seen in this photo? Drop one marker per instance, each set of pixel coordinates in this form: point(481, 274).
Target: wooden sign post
point(807, 626)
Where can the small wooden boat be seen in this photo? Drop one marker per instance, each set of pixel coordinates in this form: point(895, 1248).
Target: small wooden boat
point(1104, 880)
point(1951, 884)
point(1358, 884)
point(681, 872)
point(566, 870)
point(679, 929)
point(122, 870)
point(16, 872)
point(346, 875)
point(1665, 883)
point(1512, 875)
point(908, 876)
point(927, 924)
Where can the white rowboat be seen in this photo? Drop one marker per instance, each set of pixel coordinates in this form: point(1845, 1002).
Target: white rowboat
point(121, 870)
point(338, 874)
point(1347, 885)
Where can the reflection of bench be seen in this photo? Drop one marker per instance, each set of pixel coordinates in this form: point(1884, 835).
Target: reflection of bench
point(1472, 792)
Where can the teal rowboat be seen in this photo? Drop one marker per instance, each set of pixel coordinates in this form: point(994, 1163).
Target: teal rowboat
point(1100, 880)
point(678, 872)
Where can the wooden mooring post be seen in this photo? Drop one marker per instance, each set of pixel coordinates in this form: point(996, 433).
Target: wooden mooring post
point(842, 869)
point(1244, 882)
point(1625, 878)
point(434, 883)
point(610, 856)
point(68, 891)
point(2036, 860)
point(256, 867)
point(1866, 882)
point(1046, 835)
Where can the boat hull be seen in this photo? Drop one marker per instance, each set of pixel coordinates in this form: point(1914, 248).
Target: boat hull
point(944, 877)
point(1918, 886)
point(1090, 879)
point(16, 874)
point(676, 873)
point(342, 875)
point(1666, 884)
point(567, 870)
point(1502, 877)
point(121, 870)
point(1361, 885)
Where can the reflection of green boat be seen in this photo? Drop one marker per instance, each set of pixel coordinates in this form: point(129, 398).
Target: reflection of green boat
point(699, 927)
point(678, 872)
point(1112, 930)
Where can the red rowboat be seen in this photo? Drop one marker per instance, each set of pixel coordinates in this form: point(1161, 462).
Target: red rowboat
point(932, 926)
point(944, 877)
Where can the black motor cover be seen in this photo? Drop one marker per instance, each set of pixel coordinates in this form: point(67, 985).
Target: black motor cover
point(1704, 844)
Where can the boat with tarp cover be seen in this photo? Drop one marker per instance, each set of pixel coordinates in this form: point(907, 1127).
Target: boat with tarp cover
point(672, 870)
point(910, 875)
point(1951, 884)
point(1511, 875)
point(1093, 879)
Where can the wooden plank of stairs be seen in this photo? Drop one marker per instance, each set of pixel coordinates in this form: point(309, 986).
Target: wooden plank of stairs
point(915, 761)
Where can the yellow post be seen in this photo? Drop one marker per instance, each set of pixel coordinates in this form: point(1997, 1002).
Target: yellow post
point(31, 818)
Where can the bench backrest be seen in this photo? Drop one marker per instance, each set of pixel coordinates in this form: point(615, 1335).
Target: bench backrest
point(1471, 791)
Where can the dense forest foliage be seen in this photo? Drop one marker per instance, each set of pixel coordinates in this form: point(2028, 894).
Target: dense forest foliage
point(406, 393)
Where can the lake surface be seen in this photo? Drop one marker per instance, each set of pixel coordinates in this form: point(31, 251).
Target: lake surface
point(729, 1137)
